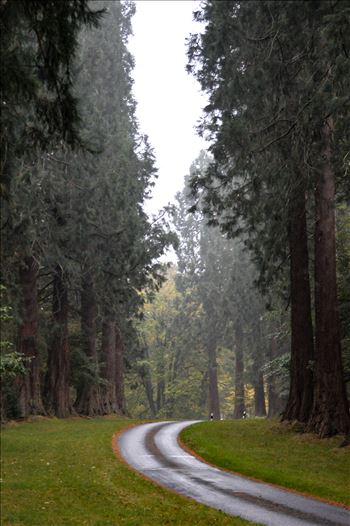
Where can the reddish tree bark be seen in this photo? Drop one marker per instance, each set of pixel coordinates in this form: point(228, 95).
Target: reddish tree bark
point(302, 350)
point(119, 376)
point(108, 391)
point(239, 407)
point(259, 396)
point(330, 411)
point(57, 381)
point(30, 402)
point(88, 400)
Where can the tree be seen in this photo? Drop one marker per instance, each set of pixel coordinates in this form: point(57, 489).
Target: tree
point(173, 364)
point(239, 370)
point(343, 263)
point(38, 44)
point(270, 102)
point(12, 363)
point(30, 401)
point(222, 275)
point(118, 242)
point(330, 412)
point(79, 215)
point(58, 367)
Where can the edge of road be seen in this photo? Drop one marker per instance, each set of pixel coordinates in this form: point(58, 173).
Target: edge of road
point(249, 477)
point(117, 452)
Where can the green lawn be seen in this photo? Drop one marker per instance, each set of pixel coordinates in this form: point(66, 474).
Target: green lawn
point(273, 452)
point(64, 472)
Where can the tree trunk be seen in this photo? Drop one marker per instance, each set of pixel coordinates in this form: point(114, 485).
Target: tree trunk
point(89, 397)
point(30, 402)
point(57, 380)
point(108, 391)
point(119, 377)
point(330, 411)
point(160, 375)
point(302, 352)
point(239, 370)
point(214, 403)
point(274, 401)
point(259, 396)
point(258, 380)
point(145, 374)
point(149, 393)
point(160, 394)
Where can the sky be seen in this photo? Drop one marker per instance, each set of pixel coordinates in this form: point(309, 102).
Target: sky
point(168, 98)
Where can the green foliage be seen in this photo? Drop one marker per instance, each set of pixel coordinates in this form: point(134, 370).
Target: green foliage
point(117, 242)
point(5, 316)
point(173, 362)
point(278, 369)
point(11, 365)
point(272, 75)
point(5, 310)
point(38, 45)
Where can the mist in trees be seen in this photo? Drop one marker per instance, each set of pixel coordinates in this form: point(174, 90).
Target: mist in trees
point(211, 346)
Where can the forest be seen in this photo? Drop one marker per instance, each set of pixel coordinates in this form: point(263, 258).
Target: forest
point(251, 315)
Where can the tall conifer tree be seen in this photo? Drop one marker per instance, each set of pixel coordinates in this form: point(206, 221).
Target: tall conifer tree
point(264, 65)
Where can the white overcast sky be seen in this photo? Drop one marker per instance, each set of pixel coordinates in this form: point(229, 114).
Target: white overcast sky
point(168, 98)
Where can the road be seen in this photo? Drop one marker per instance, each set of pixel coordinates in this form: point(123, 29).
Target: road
point(153, 450)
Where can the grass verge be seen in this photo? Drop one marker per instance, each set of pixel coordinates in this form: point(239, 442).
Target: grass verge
point(64, 472)
point(273, 452)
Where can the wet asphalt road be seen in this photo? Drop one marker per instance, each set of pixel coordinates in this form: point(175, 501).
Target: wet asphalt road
point(153, 450)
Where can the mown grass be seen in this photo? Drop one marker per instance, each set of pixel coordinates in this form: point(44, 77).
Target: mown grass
point(64, 472)
point(273, 452)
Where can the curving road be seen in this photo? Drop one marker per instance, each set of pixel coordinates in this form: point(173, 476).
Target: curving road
point(153, 450)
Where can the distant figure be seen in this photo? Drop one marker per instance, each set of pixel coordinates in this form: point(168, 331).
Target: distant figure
point(244, 415)
point(211, 416)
